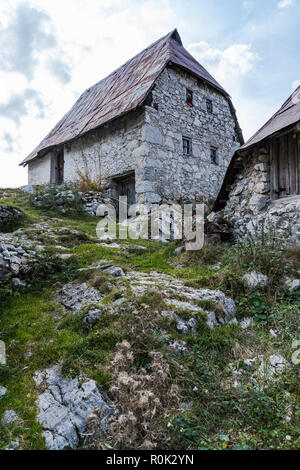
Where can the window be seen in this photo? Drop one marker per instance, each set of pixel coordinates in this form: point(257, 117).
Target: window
point(209, 106)
point(213, 155)
point(186, 146)
point(189, 97)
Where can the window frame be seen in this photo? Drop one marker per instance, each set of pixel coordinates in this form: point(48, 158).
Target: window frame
point(209, 106)
point(214, 160)
point(189, 93)
point(189, 146)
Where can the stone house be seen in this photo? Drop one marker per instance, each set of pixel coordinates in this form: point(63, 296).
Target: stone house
point(262, 183)
point(159, 128)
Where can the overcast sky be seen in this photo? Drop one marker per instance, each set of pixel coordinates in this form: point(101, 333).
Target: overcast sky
point(52, 50)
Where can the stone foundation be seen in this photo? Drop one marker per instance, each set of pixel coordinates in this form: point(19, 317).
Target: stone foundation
point(250, 207)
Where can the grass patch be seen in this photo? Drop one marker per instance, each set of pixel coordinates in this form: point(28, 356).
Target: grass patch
point(39, 333)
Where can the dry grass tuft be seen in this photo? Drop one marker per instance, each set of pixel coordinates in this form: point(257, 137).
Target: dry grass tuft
point(144, 398)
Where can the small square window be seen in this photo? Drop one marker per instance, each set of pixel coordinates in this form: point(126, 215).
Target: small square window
point(209, 106)
point(186, 146)
point(214, 155)
point(189, 97)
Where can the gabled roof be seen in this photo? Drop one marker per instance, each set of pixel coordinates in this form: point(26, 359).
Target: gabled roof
point(122, 91)
point(288, 115)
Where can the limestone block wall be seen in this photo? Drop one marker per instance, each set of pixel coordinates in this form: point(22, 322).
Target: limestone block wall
point(249, 206)
point(168, 174)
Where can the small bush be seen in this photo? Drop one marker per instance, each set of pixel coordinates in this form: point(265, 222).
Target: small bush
point(53, 200)
point(142, 399)
point(255, 305)
point(86, 183)
point(209, 254)
point(49, 266)
point(262, 251)
point(11, 218)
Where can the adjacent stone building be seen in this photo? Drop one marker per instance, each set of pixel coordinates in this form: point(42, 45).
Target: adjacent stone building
point(262, 183)
point(159, 128)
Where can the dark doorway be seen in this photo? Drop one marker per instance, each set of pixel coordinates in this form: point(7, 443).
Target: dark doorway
point(58, 168)
point(124, 185)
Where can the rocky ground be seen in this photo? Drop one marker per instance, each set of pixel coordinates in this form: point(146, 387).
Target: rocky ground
point(225, 321)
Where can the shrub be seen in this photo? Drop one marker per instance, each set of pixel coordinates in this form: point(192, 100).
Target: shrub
point(255, 305)
point(141, 324)
point(48, 266)
point(86, 183)
point(209, 254)
point(53, 199)
point(262, 250)
point(10, 218)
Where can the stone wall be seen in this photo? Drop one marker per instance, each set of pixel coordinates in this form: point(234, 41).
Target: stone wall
point(249, 206)
point(107, 151)
point(100, 154)
point(170, 174)
point(149, 141)
point(39, 170)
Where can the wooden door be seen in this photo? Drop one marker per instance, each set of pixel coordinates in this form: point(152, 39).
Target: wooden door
point(285, 166)
point(59, 168)
point(127, 188)
point(124, 186)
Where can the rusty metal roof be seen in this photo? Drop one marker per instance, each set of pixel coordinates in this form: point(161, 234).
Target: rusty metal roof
point(122, 91)
point(287, 116)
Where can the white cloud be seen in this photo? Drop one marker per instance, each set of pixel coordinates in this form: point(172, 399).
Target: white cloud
point(285, 3)
point(26, 34)
point(295, 84)
point(74, 45)
point(21, 104)
point(228, 64)
point(9, 141)
point(231, 68)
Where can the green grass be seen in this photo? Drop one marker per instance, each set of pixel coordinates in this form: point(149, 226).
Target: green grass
point(39, 333)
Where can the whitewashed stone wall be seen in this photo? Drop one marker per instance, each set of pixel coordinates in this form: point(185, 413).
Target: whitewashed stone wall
point(39, 170)
point(249, 207)
point(108, 151)
point(149, 141)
